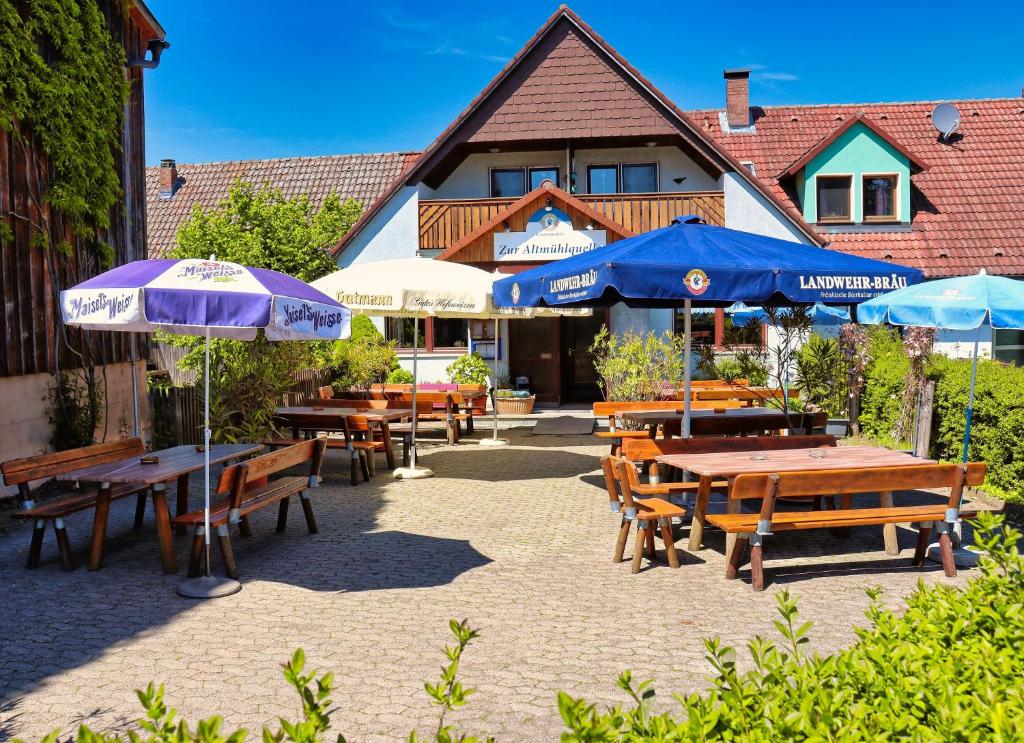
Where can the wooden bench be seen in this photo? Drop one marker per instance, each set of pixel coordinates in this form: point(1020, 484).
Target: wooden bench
point(238, 500)
point(649, 514)
point(611, 409)
point(801, 423)
point(448, 414)
point(752, 528)
point(644, 451)
point(748, 397)
point(23, 471)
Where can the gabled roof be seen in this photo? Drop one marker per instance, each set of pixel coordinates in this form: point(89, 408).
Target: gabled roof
point(497, 110)
point(966, 206)
point(916, 163)
point(529, 203)
point(360, 177)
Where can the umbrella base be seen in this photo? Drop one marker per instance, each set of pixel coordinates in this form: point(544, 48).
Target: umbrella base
point(208, 587)
point(412, 473)
point(494, 442)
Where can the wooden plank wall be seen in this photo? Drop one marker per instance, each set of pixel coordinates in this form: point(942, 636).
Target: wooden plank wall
point(31, 277)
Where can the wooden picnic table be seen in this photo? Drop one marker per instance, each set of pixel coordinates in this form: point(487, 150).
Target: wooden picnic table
point(729, 465)
point(654, 418)
point(301, 417)
point(176, 463)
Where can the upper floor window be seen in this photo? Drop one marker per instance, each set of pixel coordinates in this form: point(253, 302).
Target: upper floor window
point(543, 173)
point(834, 202)
point(880, 198)
point(507, 182)
point(622, 178)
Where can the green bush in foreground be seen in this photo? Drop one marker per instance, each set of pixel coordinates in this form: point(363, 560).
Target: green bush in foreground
point(946, 669)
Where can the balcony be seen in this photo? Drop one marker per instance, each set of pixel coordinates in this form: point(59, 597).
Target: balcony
point(443, 222)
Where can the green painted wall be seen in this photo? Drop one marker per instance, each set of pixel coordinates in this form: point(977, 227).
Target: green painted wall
point(858, 151)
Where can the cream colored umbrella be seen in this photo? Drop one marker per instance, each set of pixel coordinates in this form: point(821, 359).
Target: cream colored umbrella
point(420, 288)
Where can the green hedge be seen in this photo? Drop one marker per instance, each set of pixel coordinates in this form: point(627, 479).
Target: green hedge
point(884, 380)
point(997, 433)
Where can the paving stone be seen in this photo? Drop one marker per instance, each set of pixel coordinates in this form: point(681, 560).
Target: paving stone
point(517, 540)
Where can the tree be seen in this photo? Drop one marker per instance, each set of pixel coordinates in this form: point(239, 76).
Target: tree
point(259, 228)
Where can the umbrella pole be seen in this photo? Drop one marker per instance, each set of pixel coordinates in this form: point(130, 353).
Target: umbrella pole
point(135, 384)
point(494, 440)
point(970, 395)
point(412, 472)
point(207, 586)
point(687, 368)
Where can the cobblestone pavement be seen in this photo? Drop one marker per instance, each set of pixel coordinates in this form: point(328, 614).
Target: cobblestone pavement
point(517, 540)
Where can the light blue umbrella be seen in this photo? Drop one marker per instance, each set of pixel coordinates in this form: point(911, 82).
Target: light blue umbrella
point(821, 314)
point(961, 303)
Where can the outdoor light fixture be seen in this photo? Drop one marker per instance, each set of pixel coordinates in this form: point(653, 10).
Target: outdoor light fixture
point(547, 205)
point(505, 225)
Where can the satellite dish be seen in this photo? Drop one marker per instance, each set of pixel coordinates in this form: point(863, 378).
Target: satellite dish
point(946, 119)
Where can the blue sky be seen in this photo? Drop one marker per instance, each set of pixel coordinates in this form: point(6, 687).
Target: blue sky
point(264, 79)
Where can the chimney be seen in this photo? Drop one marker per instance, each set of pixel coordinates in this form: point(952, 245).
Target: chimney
point(168, 178)
point(737, 98)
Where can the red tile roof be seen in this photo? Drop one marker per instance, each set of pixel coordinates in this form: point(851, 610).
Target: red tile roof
point(360, 177)
point(966, 208)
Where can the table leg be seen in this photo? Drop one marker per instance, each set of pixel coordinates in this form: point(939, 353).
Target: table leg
point(163, 528)
point(889, 537)
point(181, 506)
point(699, 510)
point(389, 448)
point(99, 526)
point(652, 431)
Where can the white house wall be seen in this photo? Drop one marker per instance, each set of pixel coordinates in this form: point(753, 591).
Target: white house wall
point(393, 232)
point(748, 210)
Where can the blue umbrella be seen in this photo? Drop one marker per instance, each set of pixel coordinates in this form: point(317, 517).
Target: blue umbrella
point(961, 303)
point(211, 298)
point(692, 263)
point(821, 314)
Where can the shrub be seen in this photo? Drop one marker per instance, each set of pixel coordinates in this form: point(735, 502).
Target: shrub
point(360, 362)
point(400, 376)
point(470, 368)
point(945, 669)
point(885, 378)
point(997, 430)
point(821, 375)
point(633, 366)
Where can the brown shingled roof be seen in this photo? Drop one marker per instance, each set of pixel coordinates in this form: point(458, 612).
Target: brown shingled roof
point(965, 208)
point(360, 177)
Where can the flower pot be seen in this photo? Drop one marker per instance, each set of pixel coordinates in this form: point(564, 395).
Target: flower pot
point(515, 405)
point(838, 427)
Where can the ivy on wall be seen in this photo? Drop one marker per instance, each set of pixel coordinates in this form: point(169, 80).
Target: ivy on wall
point(62, 78)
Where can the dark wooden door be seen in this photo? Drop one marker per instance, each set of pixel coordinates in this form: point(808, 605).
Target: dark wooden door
point(533, 352)
point(579, 378)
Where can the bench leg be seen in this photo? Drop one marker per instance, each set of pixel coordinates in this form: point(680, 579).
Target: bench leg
point(638, 544)
point(889, 535)
point(364, 464)
point(669, 540)
point(282, 514)
point(140, 510)
point(195, 555)
point(244, 529)
point(164, 532)
point(389, 446)
point(224, 540)
point(732, 567)
point(946, 552)
point(307, 509)
point(756, 567)
point(99, 527)
point(651, 528)
point(699, 510)
point(620, 543)
point(354, 467)
point(469, 426)
point(924, 532)
point(60, 529)
point(731, 506)
point(38, 532)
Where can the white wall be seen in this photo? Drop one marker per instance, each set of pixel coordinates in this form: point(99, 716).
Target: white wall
point(394, 232)
point(746, 209)
point(471, 179)
point(959, 344)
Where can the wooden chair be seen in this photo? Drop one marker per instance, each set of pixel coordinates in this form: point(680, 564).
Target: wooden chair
point(22, 472)
point(649, 514)
point(751, 529)
point(237, 501)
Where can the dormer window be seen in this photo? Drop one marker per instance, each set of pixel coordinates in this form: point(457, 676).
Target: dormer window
point(880, 194)
point(834, 198)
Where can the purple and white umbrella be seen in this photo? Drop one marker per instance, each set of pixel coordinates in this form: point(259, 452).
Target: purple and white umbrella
point(215, 299)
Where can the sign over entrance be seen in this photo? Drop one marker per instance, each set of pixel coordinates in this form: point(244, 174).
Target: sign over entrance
point(549, 236)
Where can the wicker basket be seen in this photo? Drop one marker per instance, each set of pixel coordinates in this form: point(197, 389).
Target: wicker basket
point(515, 405)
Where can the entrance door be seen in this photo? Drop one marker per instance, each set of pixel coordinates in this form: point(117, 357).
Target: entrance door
point(579, 378)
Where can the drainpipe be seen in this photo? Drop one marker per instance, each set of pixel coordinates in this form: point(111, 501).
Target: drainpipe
point(155, 47)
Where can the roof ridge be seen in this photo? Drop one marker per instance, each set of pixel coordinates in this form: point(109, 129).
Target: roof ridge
point(865, 103)
point(396, 153)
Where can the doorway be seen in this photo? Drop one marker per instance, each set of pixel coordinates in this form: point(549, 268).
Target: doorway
point(579, 377)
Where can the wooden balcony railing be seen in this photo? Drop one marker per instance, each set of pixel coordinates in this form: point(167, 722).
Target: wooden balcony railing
point(443, 222)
